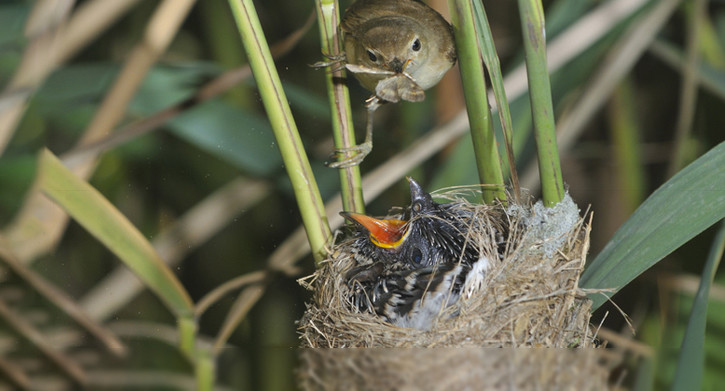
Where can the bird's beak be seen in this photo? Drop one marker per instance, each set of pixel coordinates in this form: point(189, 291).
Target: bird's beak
point(397, 66)
point(386, 233)
point(417, 193)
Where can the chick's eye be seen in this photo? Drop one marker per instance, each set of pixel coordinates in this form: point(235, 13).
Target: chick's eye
point(417, 207)
point(417, 256)
point(372, 56)
point(416, 45)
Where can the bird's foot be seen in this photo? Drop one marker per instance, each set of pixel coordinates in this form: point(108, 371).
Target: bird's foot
point(336, 62)
point(353, 156)
point(372, 103)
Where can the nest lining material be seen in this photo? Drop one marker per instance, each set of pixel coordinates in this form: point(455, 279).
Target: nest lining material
point(527, 298)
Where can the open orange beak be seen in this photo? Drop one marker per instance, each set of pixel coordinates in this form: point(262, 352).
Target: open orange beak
point(385, 233)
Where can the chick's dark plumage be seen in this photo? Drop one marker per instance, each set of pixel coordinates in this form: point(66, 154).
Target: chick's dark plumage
point(408, 270)
point(432, 235)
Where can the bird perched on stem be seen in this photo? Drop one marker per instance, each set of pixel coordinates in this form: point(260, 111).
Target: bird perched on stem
point(396, 49)
point(409, 270)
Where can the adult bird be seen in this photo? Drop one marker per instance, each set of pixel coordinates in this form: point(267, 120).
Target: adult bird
point(396, 49)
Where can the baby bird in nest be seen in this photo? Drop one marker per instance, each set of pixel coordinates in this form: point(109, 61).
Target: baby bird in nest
point(407, 271)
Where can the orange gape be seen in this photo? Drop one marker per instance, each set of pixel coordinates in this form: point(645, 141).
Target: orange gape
point(386, 233)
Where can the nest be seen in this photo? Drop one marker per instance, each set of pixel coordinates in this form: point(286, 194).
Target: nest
point(528, 298)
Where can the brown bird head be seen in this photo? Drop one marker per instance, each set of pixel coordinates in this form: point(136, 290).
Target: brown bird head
point(390, 43)
point(397, 48)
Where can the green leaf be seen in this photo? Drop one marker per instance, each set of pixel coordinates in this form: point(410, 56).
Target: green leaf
point(97, 215)
point(687, 204)
point(75, 84)
point(691, 363)
point(168, 85)
point(85, 84)
point(239, 137)
point(304, 101)
point(17, 174)
point(12, 24)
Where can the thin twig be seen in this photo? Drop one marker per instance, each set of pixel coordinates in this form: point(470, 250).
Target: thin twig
point(195, 227)
point(217, 293)
point(214, 88)
point(36, 337)
point(15, 374)
point(42, 30)
point(88, 22)
point(61, 300)
point(162, 27)
point(241, 307)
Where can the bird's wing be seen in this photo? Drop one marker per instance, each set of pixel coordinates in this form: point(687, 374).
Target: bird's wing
point(399, 295)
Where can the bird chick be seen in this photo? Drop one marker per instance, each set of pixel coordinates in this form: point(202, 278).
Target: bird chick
point(409, 270)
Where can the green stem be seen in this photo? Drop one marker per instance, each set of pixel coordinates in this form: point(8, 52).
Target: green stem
point(202, 360)
point(532, 26)
point(343, 130)
point(690, 86)
point(625, 138)
point(204, 371)
point(275, 103)
point(474, 90)
point(187, 335)
point(493, 65)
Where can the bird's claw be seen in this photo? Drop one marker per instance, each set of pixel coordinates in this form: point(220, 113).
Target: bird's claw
point(372, 103)
point(338, 62)
point(358, 154)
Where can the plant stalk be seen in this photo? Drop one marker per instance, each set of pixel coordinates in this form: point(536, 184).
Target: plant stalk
point(474, 91)
point(343, 130)
point(275, 103)
point(533, 31)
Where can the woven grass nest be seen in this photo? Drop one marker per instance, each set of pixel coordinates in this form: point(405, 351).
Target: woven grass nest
point(528, 298)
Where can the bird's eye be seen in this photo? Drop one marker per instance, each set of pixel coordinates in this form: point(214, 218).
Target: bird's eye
point(416, 45)
point(417, 257)
point(417, 207)
point(372, 56)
